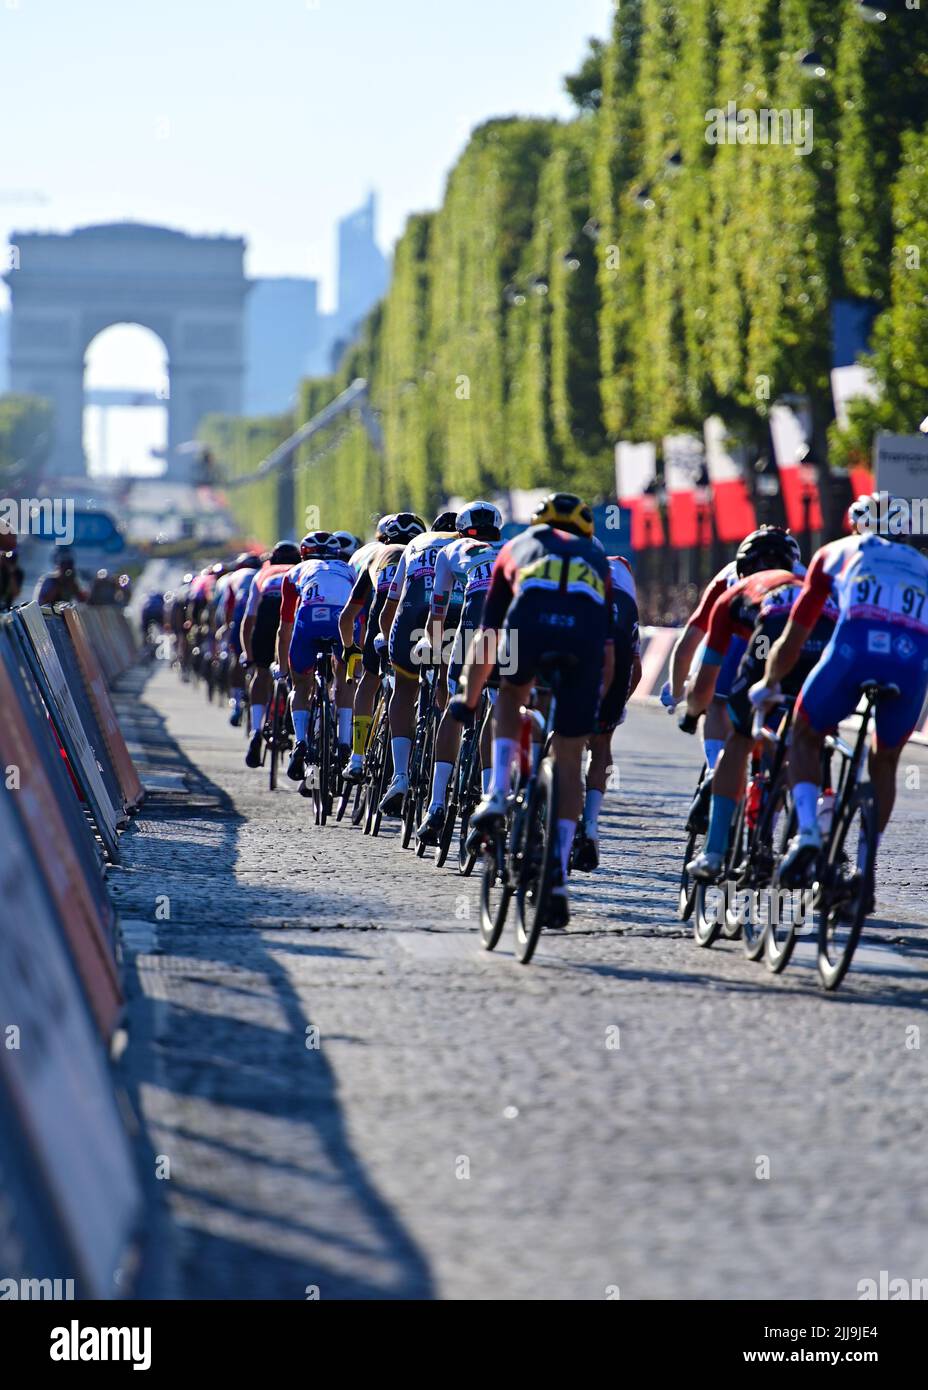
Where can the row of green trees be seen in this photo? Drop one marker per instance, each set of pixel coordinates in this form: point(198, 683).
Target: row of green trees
point(630, 272)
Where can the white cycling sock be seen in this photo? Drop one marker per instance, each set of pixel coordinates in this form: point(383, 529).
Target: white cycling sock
point(504, 752)
point(300, 724)
point(713, 748)
point(440, 781)
point(805, 797)
point(566, 829)
point(257, 718)
point(591, 810)
point(486, 779)
point(402, 747)
point(345, 721)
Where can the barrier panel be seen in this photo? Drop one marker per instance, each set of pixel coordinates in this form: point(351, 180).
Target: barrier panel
point(58, 1112)
point(67, 657)
point(95, 681)
point(53, 686)
point(63, 845)
point(110, 635)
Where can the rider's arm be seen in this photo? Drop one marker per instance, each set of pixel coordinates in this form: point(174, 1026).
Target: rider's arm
point(718, 638)
point(441, 597)
point(352, 608)
point(289, 597)
point(681, 658)
point(807, 610)
point(248, 620)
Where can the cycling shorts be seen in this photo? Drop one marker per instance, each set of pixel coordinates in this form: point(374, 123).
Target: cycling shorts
point(863, 649)
point(616, 697)
point(264, 637)
point(316, 624)
point(537, 624)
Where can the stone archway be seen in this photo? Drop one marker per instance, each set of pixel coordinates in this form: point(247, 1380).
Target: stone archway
point(188, 290)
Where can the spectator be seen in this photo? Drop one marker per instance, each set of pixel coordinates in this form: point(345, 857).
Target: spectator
point(61, 585)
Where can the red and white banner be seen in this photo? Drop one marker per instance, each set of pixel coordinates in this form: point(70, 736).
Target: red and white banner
point(733, 508)
point(635, 472)
point(684, 465)
point(791, 432)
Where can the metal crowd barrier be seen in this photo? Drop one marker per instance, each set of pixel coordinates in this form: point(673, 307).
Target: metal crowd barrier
point(69, 1192)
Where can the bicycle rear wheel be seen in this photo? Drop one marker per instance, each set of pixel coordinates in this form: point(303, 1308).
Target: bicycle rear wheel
point(495, 897)
point(784, 923)
point(322, 792)
point(276, 738)
point(537, 867)
point(847, 889)
point(379, 763)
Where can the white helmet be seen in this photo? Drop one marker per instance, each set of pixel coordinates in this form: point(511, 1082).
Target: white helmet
point(478, 517)
point(863, 512)
point(347, 543)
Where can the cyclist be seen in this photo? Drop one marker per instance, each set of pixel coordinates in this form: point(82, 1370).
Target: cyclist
point(313, 595)
point(880, 584)
point(232, 591)
point(466, 564)
point(370, 594)
point(755, 610)
point(403, 619)
point(613, 708)
point(259, 634)
point(685, 657)
point(551, 592)
point(61, 585)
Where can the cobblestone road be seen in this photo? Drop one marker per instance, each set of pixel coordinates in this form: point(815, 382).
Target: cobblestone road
point(464, 1129)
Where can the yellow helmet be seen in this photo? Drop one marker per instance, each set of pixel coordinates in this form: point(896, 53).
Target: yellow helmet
point(564, 510)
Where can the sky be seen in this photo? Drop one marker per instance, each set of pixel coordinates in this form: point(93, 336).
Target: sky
point(267, 119)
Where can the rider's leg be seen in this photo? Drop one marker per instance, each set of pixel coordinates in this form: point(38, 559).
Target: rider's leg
point(447, 743)
point(883, 764)
point(568, 755)
point(299, 704)
point(805, 770)
point(727, 790)
point(597, 780)
point(507, 728)
point(343, 689)
point(259, 693)
point(402, 720)
point(716, 728)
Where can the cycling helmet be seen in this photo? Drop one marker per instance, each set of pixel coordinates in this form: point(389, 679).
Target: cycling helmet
point(403, 527)
point(380, 533)
point(347, 543)
point(770, 548)
point(565, 511)
point(317, 544)
point(285, 553)
point(863, 511)
point(445, 521)
point(247, 561)
point(479, 519)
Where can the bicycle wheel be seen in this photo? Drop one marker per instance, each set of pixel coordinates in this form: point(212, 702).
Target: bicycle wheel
point(495, 893)
point(469, 797)
point(538, 858)
point(686, 898)
point(847, 888)
point(423, 793)
point(708, 914)
point(276, 738)
point(785, 917)
point(738, 849)
point(762, 854)
point(443, 848)
point(380, 764)
point(322, 799)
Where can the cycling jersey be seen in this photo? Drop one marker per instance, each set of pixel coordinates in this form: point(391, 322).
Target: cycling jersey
point(726, 577)
point(312, 597)
point(415, 575)
point(263, 604)
point(464, 568)
point(371, 590)
point(736, 611)
point(551, 594)
point(627, 643)
point(412, 585)
point(774, 603)
point(881, 590)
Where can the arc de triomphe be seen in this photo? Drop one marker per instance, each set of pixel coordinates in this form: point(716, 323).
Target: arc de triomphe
point(69, 287)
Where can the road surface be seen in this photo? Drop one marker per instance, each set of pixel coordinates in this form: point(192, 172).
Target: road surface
point(341, 1095)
